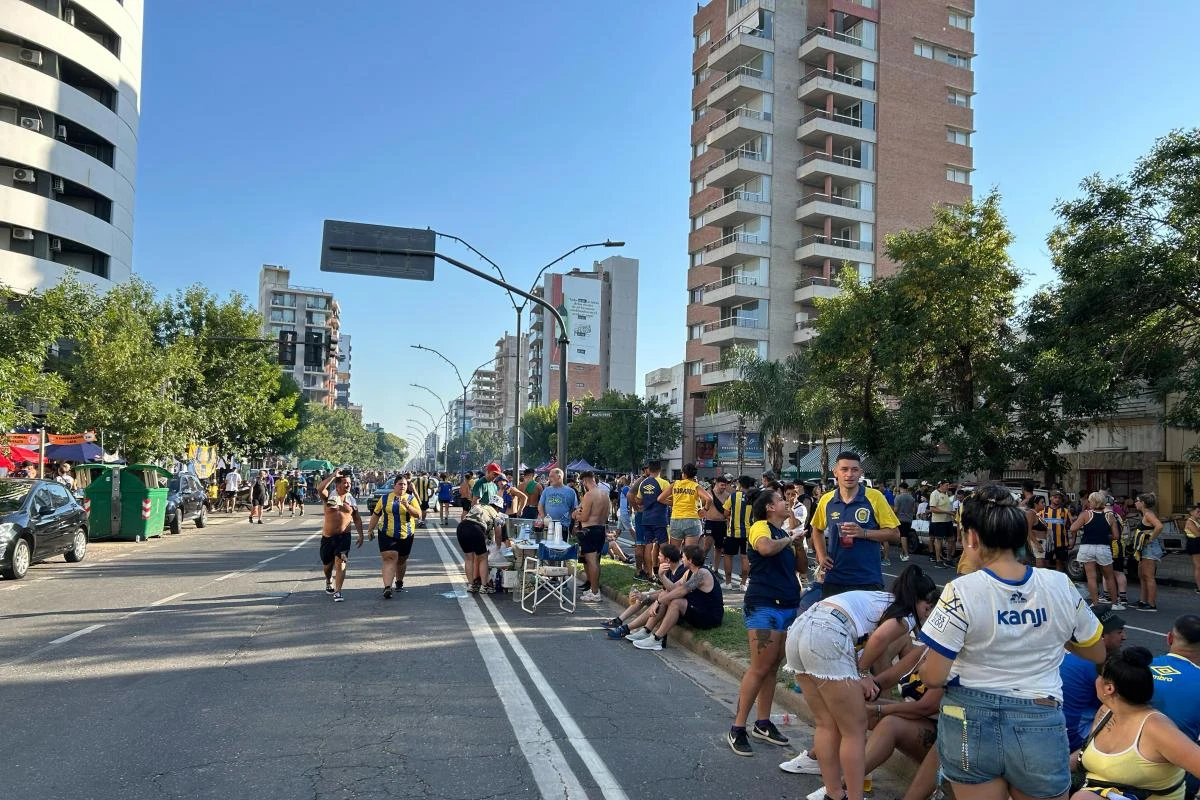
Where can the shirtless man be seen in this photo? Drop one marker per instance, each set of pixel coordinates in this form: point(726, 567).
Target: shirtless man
point(340, 510)
point(714, 519)
point(593, 515)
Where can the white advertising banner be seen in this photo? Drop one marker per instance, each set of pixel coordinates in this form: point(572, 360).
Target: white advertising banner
point(581, 307)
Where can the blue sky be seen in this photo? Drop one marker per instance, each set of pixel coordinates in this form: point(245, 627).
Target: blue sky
point(528, 128)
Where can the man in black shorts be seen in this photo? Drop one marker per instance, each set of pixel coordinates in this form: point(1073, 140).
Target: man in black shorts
point(473, 534)
point(593, 515)
point(340, 510)
point(714, 519)
point(697, 600)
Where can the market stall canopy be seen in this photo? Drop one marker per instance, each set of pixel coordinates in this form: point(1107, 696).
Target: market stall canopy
point(315, 463)
point(75, 453)
point(580, 466)
point(19, 454)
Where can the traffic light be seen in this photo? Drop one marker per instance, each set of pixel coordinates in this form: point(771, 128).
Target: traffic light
point(287, 348)
point(314, 349)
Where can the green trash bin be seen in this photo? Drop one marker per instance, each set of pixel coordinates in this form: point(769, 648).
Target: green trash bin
point(143, 501)
point(94, 489)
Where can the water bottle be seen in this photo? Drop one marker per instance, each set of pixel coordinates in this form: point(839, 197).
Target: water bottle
point(782, 718)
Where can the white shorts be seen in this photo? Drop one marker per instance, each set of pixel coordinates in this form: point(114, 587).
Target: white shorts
point(1039, 548)
point(1099, 553)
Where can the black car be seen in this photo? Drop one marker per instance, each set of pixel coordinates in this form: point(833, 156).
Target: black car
point(38, 520)
point(185, 501)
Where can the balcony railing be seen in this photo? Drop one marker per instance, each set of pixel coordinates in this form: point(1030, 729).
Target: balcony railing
point(754, 197)
point(734, 238)
point(753, 155)
point(849, 80)
point(735, 73)
point(803, 282)
point(834, 157)
point(829, 198)
point(713, 366)
point(735, 322)
point(841, 37)
point(740, 280)
point(845, 119)
point(820, 238)
point(745, 30)
point(749, 113)
point(806, 324)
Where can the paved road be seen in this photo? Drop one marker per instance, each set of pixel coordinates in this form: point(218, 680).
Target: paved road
point(213, 665)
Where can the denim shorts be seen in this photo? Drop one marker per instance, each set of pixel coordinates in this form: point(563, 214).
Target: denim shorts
point(1153, 550)
point(1098, 553)
point(768, 618)
point(820, 644)
point(682, 528)
point(982, 736)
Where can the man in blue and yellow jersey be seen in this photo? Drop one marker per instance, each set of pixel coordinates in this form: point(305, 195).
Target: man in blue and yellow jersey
point(850, 525)
point(645, 569)
point(399, 512)
point(685, 496)
point(737, 532)
point(422, 486)
point(654, 511)
point(1058, 521)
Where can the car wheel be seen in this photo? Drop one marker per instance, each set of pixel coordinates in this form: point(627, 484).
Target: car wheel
point(1075, 571)
point(177, 522)
point(78, 546)
point(22, 556)
point(202, 520)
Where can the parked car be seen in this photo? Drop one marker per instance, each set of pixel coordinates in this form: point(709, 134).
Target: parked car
point(38, 520)
point(185, 501)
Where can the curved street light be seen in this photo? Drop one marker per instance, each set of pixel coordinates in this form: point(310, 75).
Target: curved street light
point(462, 454)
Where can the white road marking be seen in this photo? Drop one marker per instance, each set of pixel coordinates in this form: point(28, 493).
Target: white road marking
point(304, 542)
point(76, 634)
point(604, 778)
point(155, 604)
point(550, 769)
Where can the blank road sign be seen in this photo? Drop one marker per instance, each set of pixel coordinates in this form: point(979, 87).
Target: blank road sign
point(377, 250)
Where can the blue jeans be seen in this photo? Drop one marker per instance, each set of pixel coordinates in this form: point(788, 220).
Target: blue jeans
point(983, 736)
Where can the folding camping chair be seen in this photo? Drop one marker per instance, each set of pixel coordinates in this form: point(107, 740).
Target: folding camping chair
point(549, 574)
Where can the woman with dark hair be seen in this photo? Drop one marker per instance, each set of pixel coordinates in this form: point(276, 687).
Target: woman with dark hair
point(1148, 551)
point(1134, 749)
point(770, 607)
point(821, 648)
point(1001, 629)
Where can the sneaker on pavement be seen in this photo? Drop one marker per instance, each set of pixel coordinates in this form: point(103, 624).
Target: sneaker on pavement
point(618, 632)
point(615, 622)
point(819, 794)
point(904, 558)
point(768, 733)
point(337, 597)
point(727, 587)
point(387, 593)
point(739, 743)
point(592, 597)
point(649, 643)
point(1118, 606)
point(638, 635)
point(1140, 606)
point(802, 764)
point(887, 562)
point(329, 588)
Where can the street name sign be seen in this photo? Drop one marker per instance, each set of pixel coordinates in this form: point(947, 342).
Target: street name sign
point(380, 251)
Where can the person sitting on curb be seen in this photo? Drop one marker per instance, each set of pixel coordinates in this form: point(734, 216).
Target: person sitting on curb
point(696, 600)
point(671, 570)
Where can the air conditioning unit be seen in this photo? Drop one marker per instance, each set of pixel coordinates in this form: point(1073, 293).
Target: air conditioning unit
point(22, 234)
point(31, 123)
point(55, 245)
point(69, 16)
point(23, 175)
point(58, 186)
point(61, 132)
point(32, 57)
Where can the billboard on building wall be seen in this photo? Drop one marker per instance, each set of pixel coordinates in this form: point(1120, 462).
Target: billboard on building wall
point(580, 309)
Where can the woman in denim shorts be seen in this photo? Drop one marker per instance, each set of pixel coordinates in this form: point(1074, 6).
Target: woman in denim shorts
point(1000, 631)
point(1148, 550)
point(821, 648)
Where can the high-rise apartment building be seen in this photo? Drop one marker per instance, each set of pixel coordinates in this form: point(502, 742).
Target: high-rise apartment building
point(818, 129)
point(512, 380)
point(600, 310)
point(303, 309)
point(344, 357)
point(483, 402)
point(70, 98)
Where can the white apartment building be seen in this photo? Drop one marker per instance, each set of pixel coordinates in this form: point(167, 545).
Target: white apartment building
point(666, 386)
point(70, 96)
point(287, 307)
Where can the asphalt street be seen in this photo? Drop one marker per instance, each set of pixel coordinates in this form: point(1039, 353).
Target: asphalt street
point(213, 665)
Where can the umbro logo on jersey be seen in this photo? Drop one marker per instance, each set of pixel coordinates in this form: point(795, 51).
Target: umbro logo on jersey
point(1165, 672)
point(1026, 617)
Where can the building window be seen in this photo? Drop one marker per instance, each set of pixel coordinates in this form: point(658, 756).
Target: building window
point(697, 258)
point(699, 185)
point(701, 75)
point(699, 149)
point(958, 175)
point(960, 20)
point(705, 36)
point(957, 59)
point(695, 368)
point(957, 98)
point(923, 50)
point(695, 295)
point(695, 331)
point(699, 111)
point(956, 136)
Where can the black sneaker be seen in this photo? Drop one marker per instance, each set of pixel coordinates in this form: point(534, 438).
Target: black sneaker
point(618, 632)
point(615, 622)
point(768, 733)
point(1149, 607)
point(329, 588)
point(1140, 606)
point(739, 743)
point(387, 593)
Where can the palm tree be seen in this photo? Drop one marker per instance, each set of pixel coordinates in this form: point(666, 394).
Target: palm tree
point(768, 392)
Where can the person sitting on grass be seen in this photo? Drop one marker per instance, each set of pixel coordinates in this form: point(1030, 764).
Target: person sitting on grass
point(613, 549)
point(671, 570)
point(696, 600)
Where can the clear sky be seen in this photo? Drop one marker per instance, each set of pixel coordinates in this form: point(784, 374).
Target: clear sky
point(530, 127)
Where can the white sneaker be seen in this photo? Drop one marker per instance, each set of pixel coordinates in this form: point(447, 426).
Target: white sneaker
point(727, 587)
point(803, 764)
point(591, 597)
point(638, 635)
point(648, 643)
point(904, 558)
point(1118, 606)
point(819, 794)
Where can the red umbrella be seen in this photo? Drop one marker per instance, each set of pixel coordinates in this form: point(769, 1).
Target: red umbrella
point(19, 454)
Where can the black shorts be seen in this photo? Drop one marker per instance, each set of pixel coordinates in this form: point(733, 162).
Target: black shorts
point(392, 544)
point(733, 546)
point(529, 512)
point(1192, 547)
point(941, 530)
point(472, 537)
point(703, 618)
point(424, 505)
point(228, 493)
point(465, 505)
point(906, 532)
point(1060, 554)
point(591, 539)
point(715, 530)
point(334, 546)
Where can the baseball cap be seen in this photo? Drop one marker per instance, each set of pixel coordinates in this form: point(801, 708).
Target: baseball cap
point(1108, 618)
point(493, 467)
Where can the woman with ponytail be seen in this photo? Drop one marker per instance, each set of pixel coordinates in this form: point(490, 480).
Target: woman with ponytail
point(999, 632)
point(836, 679)
point(1133, 749)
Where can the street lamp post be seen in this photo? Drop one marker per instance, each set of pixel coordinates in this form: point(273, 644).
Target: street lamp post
point(462, 452)
point(446, 414)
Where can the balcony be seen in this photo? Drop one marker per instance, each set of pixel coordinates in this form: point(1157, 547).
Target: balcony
point(735, 249)
point(712, 374)
point(738, 127)
point(738, 86)
point(820, 42)
point(813, 250)
point(732, 331)
point(736, 208)
point(805, 332)
point(845, 129)
point(811, 289)
point(737, 47)
point(844, 170)
point(815, 207)
point(734, 290)
point(537, 323)
point(737, 168)
point(819, 83)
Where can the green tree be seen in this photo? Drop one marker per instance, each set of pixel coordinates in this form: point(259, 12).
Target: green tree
point(390, 451)
point(480, 447)
point(616, 438)
point(334, 434)
point(767, 393)
point(289, 398)
point(1125, 316)
point(539, 436)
